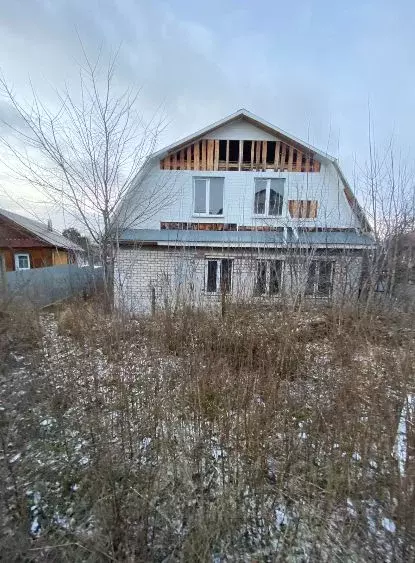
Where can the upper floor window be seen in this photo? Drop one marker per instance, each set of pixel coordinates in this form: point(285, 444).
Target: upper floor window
point(208, 196)
point(22, 261)
point(269, 196)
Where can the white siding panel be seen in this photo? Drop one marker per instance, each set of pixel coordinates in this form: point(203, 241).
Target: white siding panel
point(240, 130)
point(325, 187)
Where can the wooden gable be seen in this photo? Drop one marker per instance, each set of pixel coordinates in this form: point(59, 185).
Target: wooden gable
point(13, 236)
point(241, 155)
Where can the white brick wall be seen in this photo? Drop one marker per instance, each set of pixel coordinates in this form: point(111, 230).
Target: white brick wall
point(178, 276)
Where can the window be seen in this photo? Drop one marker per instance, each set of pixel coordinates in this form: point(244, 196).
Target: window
point(261, 278)
point(208, 196)
point(269, 196)
point(268, 277)
point(212, 276)
point(219, 276)
point(320, 278)
point(22, 261)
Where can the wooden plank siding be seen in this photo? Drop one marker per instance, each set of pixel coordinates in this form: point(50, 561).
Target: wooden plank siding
point(203, 166)
point(209, 158)
point(189, 158)
point(196, 157)
point(39, 257)
point(204, 155)
point(216, 156)
point(303, 208)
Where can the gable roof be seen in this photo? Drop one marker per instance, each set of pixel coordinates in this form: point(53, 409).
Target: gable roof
point(41, 231)
point(254, 120)
point(268, 127)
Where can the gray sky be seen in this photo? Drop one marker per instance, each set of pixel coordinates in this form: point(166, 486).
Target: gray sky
point(313, 67)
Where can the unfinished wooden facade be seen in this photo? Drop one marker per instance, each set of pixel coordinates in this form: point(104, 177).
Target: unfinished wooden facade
point(233, 155)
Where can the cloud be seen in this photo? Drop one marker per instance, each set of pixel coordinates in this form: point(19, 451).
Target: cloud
point(313, 70)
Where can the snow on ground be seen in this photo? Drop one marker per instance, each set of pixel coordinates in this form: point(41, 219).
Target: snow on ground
point(194, 469)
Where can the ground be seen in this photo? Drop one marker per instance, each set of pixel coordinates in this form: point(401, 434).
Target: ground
point(261, 436)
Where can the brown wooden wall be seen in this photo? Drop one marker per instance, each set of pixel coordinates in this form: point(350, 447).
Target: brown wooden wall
point(39, 257)
point(14, 240)
point(214, 154)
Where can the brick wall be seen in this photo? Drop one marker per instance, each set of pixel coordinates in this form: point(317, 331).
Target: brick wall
point(177, 276)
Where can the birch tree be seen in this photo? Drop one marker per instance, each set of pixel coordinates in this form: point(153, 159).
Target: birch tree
point(84, 151)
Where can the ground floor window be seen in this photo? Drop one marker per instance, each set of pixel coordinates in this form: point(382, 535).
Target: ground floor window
point(268, 277)
point(22, 261)
point(320, 278)
point(219, 276)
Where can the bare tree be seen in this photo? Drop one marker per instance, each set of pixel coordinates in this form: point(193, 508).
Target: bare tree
point(390, 201)
point(85, 151)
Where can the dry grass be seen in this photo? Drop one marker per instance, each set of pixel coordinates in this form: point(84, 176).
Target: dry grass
point(263, 436)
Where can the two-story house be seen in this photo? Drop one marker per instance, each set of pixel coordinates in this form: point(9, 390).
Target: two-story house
point(252, 212)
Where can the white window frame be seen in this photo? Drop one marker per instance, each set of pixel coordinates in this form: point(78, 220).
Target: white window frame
point(315, 294)
point(268, 262)
point(207, 180)
point(218, 274)
point(16, 260)
point(266, 214)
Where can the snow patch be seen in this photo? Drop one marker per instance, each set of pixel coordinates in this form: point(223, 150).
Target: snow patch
point(389, 525)
point(280, 516)
point(401, 441)
point(15, 458)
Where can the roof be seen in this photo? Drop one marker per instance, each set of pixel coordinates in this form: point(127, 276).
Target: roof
point(252, 118)
point(246, 238)
point(41, 231)
point(265, 125)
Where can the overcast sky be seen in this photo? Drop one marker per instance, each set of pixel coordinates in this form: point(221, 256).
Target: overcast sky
point(312, 67)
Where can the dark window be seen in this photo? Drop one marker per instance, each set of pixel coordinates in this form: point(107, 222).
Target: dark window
point(222, 150)
point(246, 157)
point(325, 278)
point(276, 196)
point(260, 196)
point(226, 275)
point(271, 152)
point(211, 275)
point(311, 279)
point(320, 278)
point(269, 196)
point(275, 277)
point(275, 202)
point(261, 278)
point(233, 151)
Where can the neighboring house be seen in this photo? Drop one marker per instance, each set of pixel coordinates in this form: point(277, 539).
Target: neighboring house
point(257, 213)
point(26, 244)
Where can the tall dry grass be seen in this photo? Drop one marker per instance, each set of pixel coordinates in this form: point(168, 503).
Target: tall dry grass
point(265, 435)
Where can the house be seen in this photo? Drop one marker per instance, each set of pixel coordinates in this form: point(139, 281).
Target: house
point(26, 244)
point(256, 214)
